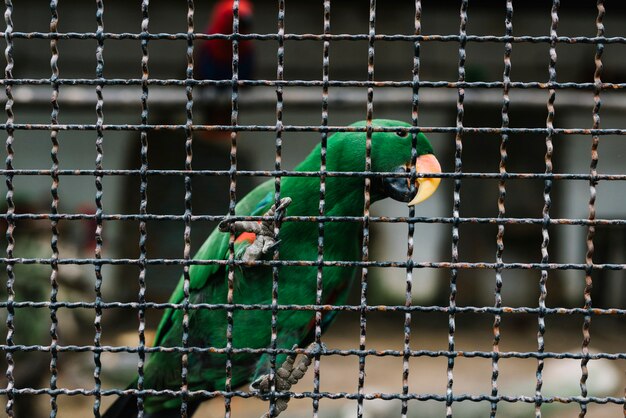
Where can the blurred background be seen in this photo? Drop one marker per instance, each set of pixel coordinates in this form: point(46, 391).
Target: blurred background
point(394, 61)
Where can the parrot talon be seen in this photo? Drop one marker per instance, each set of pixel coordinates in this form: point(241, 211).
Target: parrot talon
point(224, 225)
point(286, 376)
point(269, 248)
point(265, 239)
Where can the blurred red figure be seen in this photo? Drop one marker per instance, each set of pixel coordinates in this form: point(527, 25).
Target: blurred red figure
point(213, 58)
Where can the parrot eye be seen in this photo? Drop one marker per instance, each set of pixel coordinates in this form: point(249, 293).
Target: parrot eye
point(402, 134)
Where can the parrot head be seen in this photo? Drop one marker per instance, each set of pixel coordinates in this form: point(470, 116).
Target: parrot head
point(214, 57)
point(390, 152)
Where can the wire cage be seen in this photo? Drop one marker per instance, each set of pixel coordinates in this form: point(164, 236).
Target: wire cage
point(121, 158)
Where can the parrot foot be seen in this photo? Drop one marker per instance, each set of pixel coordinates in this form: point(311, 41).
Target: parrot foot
point(286, 376)
point(265, 241)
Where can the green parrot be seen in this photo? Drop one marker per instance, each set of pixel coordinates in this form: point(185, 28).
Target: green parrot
point(346, 151)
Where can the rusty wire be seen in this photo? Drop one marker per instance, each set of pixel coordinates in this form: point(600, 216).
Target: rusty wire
point(278, 141)
point(366, 205)
point(54, 209)
point(188, 210)
point(408, 297)
point(592, 209)
point(99, 224)
point(451, 397)
point(309, 128)
point(506, 76)
point(143, 205)
point(321, 208)
point(8, 74)
point(458, 166)
point(232, 193)
point(317, 37)
point(543, 290)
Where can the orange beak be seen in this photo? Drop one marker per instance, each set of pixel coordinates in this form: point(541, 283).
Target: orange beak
point(426, 186)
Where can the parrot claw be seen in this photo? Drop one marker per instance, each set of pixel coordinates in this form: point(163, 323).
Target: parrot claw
point(286, 376)
point(265, 239)
point(269, 248)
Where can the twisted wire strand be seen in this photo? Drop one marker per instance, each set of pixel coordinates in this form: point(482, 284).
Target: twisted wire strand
point(143, 207)
point(408, 298)
point(506, 76)
point(458, 167)
point(366, 204)
point(289, 173)
point(278, 144)
point(324, 308)
point(543, 289)
point(54, 191)
point(310, 128)
point(173, 36)
point(97, 323)
point(329, 352)
point(202, 394)
point(232, 193)
point(595, 140)
point(8, 90)
point(184, 385)
point(305, 263)
point(319, 284)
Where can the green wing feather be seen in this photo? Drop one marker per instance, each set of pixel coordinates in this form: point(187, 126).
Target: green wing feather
point(215, 248)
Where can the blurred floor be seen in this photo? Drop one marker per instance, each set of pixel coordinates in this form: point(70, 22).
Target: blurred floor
point(426, 375)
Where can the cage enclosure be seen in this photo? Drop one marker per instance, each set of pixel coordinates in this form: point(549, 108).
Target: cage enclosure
point(133, 130)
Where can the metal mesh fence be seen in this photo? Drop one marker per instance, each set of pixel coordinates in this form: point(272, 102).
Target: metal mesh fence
point(28, 93)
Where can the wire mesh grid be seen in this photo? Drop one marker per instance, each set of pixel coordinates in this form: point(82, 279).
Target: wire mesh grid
point(410, 399)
